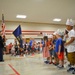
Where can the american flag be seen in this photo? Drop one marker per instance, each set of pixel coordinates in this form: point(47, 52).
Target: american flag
point(3, 26)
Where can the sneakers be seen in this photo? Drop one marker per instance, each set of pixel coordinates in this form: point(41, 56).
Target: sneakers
point(70, 69)
point(73, 71)
point(55, 64)
point(47, 62)
point(60, 67)
point(69, 65)
point(50, 62)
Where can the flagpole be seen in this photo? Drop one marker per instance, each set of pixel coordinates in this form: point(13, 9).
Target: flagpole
point(3, 28)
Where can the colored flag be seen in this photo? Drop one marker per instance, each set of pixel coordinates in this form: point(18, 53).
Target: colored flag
point(18, 34)
point(3, 27)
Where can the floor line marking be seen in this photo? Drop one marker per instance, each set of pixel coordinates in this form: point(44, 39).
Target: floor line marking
point(13, 69)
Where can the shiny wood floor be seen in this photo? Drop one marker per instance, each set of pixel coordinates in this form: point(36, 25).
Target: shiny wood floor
point(29, 65)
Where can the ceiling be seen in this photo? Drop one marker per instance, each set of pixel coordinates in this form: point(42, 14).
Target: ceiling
point(40, 11)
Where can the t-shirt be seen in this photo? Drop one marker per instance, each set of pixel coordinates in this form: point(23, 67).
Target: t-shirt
point(71, 34)
point(10, 46)
point(59, 42)
point(71, 47)
point(31, 42)
point(49, 43)
point(42, 42)
point(54, 43)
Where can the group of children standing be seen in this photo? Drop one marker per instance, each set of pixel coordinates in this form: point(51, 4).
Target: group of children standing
point(54, 45)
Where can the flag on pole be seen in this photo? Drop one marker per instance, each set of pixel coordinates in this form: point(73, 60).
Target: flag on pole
point(18, 34)
point(3, 27)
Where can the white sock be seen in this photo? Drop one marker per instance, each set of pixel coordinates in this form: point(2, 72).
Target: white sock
point(44, 59)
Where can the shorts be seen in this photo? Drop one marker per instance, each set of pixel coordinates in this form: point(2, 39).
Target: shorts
point(71, 58)
point(61, 56)
point(52, 52)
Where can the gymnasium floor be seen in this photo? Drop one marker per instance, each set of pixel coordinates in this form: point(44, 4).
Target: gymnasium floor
point(29, 65)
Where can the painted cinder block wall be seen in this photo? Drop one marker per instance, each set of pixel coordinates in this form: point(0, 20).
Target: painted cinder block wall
point(31, 29)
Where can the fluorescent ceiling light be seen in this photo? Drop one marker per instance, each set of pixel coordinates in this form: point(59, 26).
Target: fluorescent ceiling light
point(21, 16)
point(57, 19)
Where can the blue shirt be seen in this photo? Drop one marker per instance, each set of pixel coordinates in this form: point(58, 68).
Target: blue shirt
point(31, 42)
point(59, 42)
point(54, 42)
point(42, 43)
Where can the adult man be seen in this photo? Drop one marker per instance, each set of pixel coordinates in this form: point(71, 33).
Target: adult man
point(1, 48)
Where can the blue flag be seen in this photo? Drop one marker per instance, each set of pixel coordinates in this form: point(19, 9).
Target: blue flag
point(18, 34)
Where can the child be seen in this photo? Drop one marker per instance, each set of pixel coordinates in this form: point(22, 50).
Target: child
point(60, 48)
point(54, 53)
point(50, 45)
point(41, 47)
point(71, 45)
point(13, 50)
point(46, 54)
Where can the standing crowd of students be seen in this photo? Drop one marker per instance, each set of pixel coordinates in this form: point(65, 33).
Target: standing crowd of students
point(56, 44)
